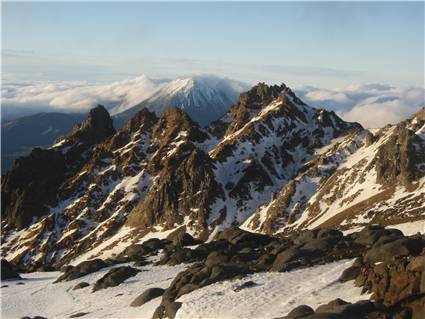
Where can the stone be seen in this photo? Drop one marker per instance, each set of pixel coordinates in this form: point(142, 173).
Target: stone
point(300, 312)
point(81, 285)
point(146, 296)
point(82, 269)
point(115, 277)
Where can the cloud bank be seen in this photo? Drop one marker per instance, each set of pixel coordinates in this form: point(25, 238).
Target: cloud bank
point(372, 105)
point(20, 99)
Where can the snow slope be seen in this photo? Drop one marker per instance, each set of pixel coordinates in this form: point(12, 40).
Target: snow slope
point(274, 295)
point(39, 296)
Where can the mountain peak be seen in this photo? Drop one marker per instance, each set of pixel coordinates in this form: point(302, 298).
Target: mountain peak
point(262, 95)
point(95, 128)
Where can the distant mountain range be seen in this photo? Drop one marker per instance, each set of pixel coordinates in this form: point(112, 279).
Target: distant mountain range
point(204, 98)
point(21, 135)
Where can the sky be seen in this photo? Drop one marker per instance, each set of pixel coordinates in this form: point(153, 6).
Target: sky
point(306, 43)
point(364, 60)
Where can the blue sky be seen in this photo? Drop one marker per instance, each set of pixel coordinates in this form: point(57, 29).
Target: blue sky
point(319, 44)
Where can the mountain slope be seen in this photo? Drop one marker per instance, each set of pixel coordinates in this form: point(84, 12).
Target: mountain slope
point(370, 177)
point(270, 164)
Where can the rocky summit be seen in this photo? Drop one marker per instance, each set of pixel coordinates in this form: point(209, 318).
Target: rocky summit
point(168, 214)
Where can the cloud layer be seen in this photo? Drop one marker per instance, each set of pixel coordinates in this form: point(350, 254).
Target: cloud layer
point(73, 97)
point(372, 105)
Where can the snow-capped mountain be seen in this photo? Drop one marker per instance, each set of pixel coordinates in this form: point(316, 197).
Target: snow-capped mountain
point(203, 98)
point(269, 164)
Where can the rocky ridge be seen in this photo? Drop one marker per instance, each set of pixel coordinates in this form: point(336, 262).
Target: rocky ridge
point(270, 164)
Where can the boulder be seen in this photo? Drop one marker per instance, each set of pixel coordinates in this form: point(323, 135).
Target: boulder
point(215, 258)
point(114, 277)
point(300, 312)
point(247, 284)
point(242, 238)
point(372, 233)
point(397, 248)
point(146, 296)
point(166, 310)
point(8, 271)
point(181, 255)
point(81, 285)
point(349, 310)
point(180, 238)
point(350, 273)
point(321, 244)
point(306, 236)
point(288, 255)
point(82, 269)
point(138, 252)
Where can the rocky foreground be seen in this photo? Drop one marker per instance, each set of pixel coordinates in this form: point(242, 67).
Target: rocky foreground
point(388, 266)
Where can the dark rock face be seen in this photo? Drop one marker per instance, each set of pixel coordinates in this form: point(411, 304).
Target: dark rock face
point(115, 277)
point(82, 269)
point(95, 128)
point(32, 185)
point(8, 271)
point(146, 296)
point(186, 175)
point(393, 282)
point(397, 160)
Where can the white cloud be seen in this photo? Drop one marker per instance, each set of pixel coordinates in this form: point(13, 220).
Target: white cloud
point(372, 105)
point(71, 96)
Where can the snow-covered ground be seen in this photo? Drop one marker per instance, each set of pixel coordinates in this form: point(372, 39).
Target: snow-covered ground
point(39, 296)
point(274, 295)
point(408, 229)
point(411, 228)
